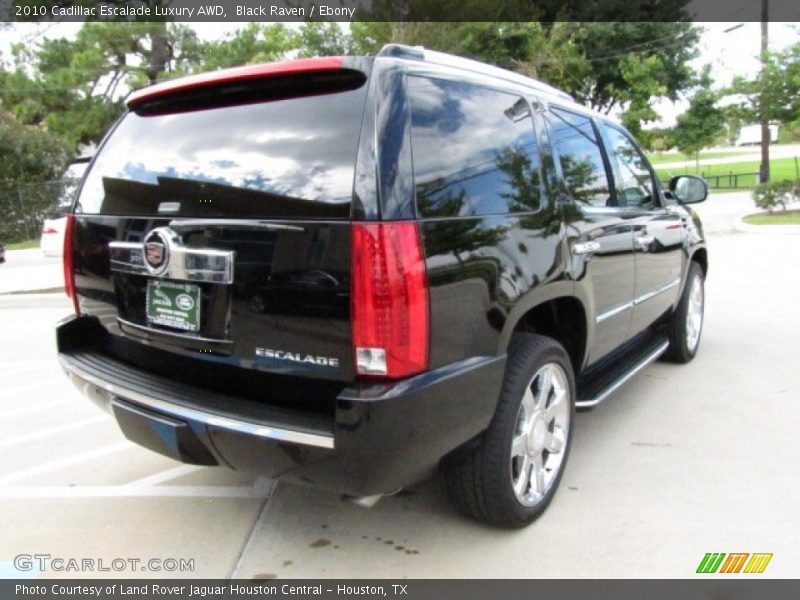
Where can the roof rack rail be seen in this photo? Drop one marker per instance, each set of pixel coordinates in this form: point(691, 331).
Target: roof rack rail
point(467, 64)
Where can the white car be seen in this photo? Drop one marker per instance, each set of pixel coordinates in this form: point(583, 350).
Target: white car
point(52, 241)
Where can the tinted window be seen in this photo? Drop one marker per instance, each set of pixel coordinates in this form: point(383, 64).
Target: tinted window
point(634, 181)
point(474, 150)
point(575, 141)
point(292, 157)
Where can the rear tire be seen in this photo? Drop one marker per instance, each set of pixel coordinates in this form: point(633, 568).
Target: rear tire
point(686, 324)
point(511, 475)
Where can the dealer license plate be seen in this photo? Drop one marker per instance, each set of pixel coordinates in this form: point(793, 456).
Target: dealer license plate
point(174, 305)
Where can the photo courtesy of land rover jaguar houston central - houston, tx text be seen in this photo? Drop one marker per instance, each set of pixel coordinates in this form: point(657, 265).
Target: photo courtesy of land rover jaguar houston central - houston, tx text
point(355, 272)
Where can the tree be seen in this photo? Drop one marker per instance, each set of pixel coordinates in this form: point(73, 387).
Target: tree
point(32, 159)
point(251, 44)
point(643, 84)
point(607, 65)
point(322, 39)
point(703, 122)
point(74, 87)
point(619, 51)
point(775, 92)
point(773, 95)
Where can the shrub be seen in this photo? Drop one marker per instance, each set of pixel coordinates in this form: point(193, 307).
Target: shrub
point(769, 195)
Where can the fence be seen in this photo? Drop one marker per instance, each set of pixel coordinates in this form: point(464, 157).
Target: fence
point(24, 207)
point(734, 181)
point(731, 181)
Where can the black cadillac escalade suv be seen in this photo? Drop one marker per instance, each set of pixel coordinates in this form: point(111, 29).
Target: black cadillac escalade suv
point(353, 271)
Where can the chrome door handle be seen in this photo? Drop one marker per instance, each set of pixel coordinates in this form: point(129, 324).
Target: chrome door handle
point(586, 247)
point(644, 240)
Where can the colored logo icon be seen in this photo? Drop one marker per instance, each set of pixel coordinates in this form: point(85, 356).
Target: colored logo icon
point(735, 562)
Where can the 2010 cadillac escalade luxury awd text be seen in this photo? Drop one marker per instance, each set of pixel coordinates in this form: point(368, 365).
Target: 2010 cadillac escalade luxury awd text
point(353, 271)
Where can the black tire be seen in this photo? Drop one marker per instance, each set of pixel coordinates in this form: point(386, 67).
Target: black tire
point(681, 349)
point(481, 481)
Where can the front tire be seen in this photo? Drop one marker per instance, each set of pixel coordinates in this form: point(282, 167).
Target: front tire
point(686, 324)
point(510, 477)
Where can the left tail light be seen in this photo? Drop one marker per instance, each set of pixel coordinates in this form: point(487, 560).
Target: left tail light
point(389, 299)
point(69, 272)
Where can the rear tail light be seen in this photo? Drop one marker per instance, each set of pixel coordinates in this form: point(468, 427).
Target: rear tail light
point(69, 273)
point(389, 299)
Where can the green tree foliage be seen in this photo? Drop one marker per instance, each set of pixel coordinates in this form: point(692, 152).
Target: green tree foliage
point(31, 159)
point(604, 65)
point(74, 87)
point(774, 93)
point(322, 39)
point(620, 52)
point(643, 77)
point(253, 43)
point(703, 122)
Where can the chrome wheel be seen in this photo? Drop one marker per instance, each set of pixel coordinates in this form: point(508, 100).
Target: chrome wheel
point(694, 314)
point(540, 436)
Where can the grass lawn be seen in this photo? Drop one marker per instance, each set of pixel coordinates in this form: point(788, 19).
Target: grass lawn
point(23, 245)
point(780, 217)
point(780, 169)
point(657, 158)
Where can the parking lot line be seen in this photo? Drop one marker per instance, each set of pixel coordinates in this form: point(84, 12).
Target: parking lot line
point(23, 367)
point(164, 476)
point(52, 430)
point(41, 382)
point(121, 491)
point(33, 408)
point(64, 462)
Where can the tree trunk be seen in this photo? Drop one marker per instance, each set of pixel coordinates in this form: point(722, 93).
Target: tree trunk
point(763, 175)
point(158, 52)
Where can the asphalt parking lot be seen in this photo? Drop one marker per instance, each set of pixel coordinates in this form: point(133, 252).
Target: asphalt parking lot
point(682, 461)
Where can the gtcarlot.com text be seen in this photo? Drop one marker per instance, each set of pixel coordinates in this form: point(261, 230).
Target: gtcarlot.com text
point(46, 562)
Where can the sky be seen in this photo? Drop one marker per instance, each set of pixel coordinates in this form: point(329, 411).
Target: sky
point(729, 53)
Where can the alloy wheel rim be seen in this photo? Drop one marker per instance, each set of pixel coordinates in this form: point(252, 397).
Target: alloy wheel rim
point(538, 445)
point(694, 315)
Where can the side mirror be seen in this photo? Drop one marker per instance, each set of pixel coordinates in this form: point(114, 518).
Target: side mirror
point(688, 189)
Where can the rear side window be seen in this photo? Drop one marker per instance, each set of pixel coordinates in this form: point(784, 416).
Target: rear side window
point(474, 150)
point(291, 157)
point(575, 141)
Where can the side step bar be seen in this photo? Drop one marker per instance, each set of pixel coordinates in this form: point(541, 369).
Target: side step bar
point(610, 381)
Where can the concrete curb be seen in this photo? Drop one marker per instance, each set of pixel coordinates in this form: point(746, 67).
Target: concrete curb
point(34, 300)
point(740, 225)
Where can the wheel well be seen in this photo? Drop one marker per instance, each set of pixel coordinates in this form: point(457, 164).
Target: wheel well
point(562, 319)
point(701, 258)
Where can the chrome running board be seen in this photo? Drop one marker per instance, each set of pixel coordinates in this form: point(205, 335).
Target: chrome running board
point(620, 380)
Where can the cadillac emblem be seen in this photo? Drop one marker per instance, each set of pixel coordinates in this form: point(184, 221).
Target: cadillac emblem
point(156, 252)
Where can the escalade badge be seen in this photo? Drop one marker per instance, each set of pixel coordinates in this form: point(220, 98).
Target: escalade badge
point(321, 361)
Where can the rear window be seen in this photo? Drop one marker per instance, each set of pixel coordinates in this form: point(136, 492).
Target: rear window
point(283, 158)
